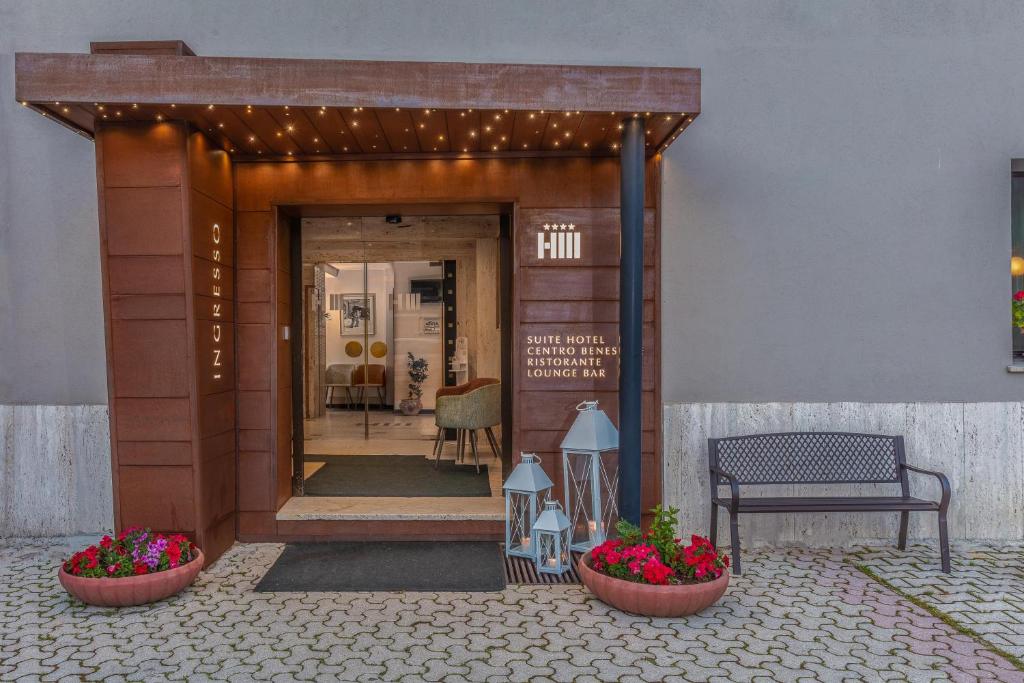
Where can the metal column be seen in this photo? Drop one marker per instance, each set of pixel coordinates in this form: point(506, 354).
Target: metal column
point(631, 316)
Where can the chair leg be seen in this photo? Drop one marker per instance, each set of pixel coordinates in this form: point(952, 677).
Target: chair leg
point(713, 529)
point(944, 543)
point(904, 524)
point(494, 443)
point(472, 444)
point(438, 447)
point(348, 395)
point(380, 395)
point(460, 451)
point(734, 533)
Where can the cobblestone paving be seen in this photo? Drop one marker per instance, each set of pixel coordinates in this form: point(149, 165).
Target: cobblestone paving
point(795, 615)
point(985, 593)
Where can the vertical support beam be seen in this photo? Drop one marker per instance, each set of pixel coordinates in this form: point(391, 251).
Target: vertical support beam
point(631, 316)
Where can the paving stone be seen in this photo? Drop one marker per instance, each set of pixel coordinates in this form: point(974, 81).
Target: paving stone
point(795, 615)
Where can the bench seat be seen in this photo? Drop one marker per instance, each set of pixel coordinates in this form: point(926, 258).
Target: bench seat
point(828, 504)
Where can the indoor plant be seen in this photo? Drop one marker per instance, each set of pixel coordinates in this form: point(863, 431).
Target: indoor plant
point(417, 376)
point(654, 573)
point(137, 567)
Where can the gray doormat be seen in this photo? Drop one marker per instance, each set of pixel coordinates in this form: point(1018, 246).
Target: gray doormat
point(405, 476)
point(473, 566)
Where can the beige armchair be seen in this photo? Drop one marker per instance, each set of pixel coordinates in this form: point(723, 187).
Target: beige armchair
point(467, 408)
point(338, 375)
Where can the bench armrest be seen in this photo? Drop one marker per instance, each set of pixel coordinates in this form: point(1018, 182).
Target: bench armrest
point(947, 491)
point(734, 488)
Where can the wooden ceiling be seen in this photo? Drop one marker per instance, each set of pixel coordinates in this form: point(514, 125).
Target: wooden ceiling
point(267, 108)
point(267, 132)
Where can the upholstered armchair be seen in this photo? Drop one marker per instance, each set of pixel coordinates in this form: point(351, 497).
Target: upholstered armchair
point(338, 375)
point(467, 408)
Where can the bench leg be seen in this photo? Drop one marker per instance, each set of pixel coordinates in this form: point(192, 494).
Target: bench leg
point(944, 543)
point(904, 523)
point(713, 529)
point(734, 533)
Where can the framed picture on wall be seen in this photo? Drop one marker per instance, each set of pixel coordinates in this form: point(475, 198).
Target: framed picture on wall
point(358, 314)
point(430, 326)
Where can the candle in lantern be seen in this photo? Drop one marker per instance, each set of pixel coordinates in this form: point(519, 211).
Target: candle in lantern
point(525, 542)
point(552, 561)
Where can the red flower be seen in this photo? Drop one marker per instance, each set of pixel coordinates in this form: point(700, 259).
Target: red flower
point(174, 553)
point(1019, 296)
point(106, 542)
point(141, 568)
point(657, 573)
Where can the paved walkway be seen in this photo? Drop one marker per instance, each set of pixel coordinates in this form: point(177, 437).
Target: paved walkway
point(796, 615)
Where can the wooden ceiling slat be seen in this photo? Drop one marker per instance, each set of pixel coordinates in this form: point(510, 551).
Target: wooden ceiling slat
point(496, 130)
point(270, 131)
point(293, 127)
point(464, 129)
point(592, 132)
point(365, 128)
point(431, 130)
point(398, 126)
point(561, 129)
point(247, 140)
point(337, 131)
point(528, 131)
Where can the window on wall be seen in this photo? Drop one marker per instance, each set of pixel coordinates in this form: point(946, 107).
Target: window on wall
point(1017, 256)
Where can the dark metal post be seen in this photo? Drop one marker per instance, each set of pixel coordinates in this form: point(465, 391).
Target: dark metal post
point(631, 316)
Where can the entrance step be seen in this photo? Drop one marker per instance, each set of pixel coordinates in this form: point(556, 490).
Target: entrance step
point(305, 508)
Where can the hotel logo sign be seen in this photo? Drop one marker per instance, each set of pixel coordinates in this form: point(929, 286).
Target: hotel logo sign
point(558, 241)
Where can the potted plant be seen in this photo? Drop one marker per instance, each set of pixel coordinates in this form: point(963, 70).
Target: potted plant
point(654, 573)
point(136, 568)
point(1018, 310)
point(417, 376)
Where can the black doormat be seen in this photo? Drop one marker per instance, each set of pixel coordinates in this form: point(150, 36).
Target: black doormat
point(405, 476)
point(473, 566)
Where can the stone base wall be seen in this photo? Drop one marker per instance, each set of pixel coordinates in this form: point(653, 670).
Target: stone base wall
point(979, 446)
point(55, 470)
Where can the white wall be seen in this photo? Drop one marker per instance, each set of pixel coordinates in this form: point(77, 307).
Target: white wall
point(408, 338)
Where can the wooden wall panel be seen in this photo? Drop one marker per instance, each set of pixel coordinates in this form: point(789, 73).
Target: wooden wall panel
point(550, 296)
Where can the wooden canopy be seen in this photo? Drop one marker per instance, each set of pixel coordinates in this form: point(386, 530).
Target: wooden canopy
point(280, 108)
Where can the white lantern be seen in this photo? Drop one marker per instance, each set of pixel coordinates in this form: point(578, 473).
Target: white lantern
point(522, 495)
point(552, 538)
point(590, 470)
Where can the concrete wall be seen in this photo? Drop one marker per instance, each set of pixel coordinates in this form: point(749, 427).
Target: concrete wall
point(979, 446)
point(835, 225)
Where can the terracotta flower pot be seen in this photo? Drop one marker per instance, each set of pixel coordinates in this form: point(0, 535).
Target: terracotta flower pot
point(132, 590)
point(652, 601)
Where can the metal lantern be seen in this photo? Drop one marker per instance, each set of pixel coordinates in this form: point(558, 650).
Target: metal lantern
point(523, 490)
point(590, 470)
point(552, 538)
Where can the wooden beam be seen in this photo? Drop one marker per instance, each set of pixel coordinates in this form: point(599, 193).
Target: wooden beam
point(122, 78)
point(141, 47)
point(417, 228)
point(373, 252)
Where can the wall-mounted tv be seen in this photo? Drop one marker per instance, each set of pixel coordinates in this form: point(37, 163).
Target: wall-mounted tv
point(429, 290)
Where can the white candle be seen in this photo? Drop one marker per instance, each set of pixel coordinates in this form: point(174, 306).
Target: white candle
point(525, 542)
point(552, 562)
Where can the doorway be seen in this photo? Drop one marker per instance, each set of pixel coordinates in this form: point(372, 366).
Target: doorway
point(400, 306)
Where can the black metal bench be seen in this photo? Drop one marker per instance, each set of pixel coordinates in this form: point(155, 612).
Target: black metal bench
point(817, 458)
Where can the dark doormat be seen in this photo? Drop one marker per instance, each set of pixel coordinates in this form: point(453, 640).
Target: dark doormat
point(473, 566)
point(405, 476)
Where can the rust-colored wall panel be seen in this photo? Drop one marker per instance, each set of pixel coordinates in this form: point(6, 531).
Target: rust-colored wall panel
point(151, 358)
point(218, 445)
point(216, 414)
point(570, 284)
point(255, 239)
point(155, 453)
point(598, 231)
point(255, 440)
point(146, 275)
point(209, 171)
point(254, 410)
point(212, 229)
point(143, 221)
point(576, 311)
point(147, 307)
point(556, 410)
point(215, 356)
point(254, 480)
point(256, 526)
point(145, 155)
point(248, 312)
point(212, 308)
point(153, 419)
point(253, 286)
point(158, 497)
point(254, 343)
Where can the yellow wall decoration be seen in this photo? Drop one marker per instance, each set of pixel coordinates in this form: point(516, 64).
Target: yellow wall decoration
point(378, 349)
point(354, 349)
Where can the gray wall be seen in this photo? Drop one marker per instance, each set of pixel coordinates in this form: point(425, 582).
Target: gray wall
point(836, 224)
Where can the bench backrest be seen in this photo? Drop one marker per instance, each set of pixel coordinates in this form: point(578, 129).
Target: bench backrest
point(808, 457)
